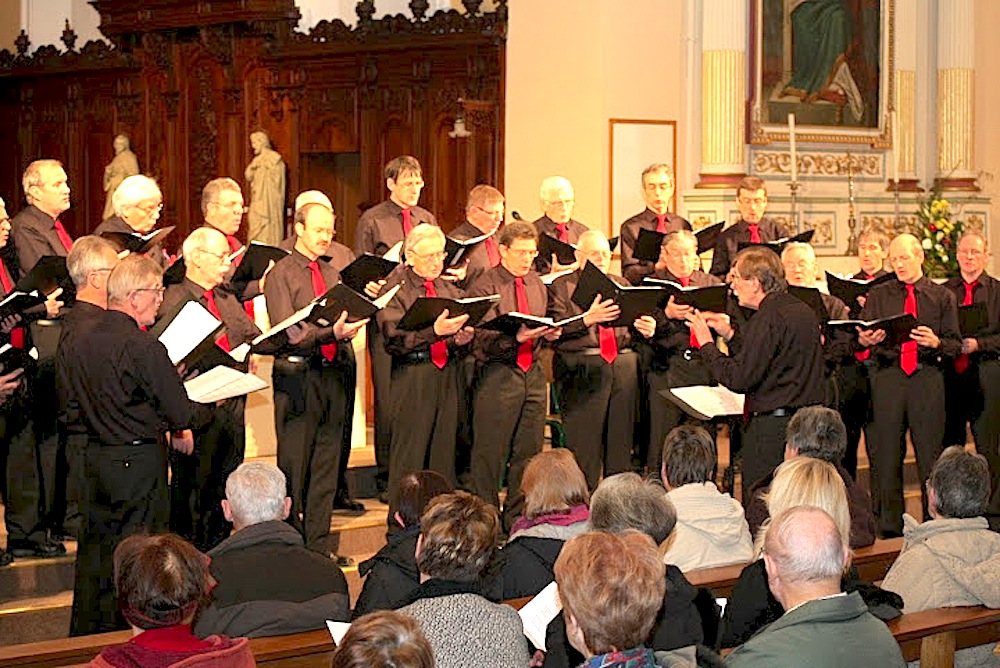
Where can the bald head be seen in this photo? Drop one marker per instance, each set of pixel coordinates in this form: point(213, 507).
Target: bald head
point(907, 258)
point(593, 246)
point(805, 555)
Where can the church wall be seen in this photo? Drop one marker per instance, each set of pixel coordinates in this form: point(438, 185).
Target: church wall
point(987, 120)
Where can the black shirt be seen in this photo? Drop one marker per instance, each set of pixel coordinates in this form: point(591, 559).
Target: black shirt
point(986, 292)
point(674, 336)
point(632, 268)
point(728, 243)
point(289, 288)
point(478, 256)
point(123, 382)
point(936, 308)
point(411, 288)
point(775, 358)
point(492, 346)
point(381, 227)
point(239, 328)
point(576, 336)
point(545, 225)
point(118, 224)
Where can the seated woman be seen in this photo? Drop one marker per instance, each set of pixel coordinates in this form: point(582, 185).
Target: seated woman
point(555, 510)
point(458, 536)
point(161, 580)
point(391, 576)
point(611, 587)
point(383, 639)
point(802, 481)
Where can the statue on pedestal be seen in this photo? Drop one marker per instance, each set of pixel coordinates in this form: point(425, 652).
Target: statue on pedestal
point(122, 166)
point(266, 176)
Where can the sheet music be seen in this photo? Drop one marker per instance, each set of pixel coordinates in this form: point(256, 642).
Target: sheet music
point(387, 297)
point(293, 319)
point(711, 401)
point(192, 325)
point(538, 612)
point(240, 352)
point(337, 630)
point(547, 279)
point(220, 383)
point(394, 253)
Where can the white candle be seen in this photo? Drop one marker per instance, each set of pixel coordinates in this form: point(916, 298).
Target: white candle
point(791, 146)
point(895, 148)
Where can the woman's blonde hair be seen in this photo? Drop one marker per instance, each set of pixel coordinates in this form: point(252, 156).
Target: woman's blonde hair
point(553, 483)
point(805, 481)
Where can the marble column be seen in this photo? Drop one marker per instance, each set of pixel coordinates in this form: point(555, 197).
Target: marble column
point(905, 100)
point(956, 95)
point(723, 92)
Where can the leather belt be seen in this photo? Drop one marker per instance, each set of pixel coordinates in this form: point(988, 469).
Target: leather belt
point(418, 357)
point(595, 351)
point(784, 411)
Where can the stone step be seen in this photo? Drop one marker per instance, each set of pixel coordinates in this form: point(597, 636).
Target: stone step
point(28, 578)
point(36, 618)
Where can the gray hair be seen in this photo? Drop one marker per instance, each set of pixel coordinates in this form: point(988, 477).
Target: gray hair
point(256, 493)
point(420, 233)
point(978, 235)
point(687, 235)
point(626, 501)
point(90, 254)
point(657, 168)
point(792, 246)
point(210, 193)
point(33, 174)
point(961, 483)
point(132, 191)
point(132, 273)
point(551, 184)
point(198, 239)
point(806, 545)
point(819, 432)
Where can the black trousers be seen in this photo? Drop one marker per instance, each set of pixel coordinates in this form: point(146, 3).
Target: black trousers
point(381, 362)
point(682, 369)
point(963, 402)
point(126, 493)
point(198, 480)
point(899, 401)
point(309, 412)
point(599, 406)
point(763, 439)
point(424, 419)
point(22, 492)
point(986, 430)
point(855, 408)
point(508, 428)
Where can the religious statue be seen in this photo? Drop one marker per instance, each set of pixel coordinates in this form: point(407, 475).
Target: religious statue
point(123, 165)
point(266, 176)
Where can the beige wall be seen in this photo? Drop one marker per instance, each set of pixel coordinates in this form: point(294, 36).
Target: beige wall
point(986, 119)
point(571, 66)
point(10, 23)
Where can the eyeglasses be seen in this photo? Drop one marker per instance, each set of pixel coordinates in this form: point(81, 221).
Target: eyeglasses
point(491, 214)
point(148, 210)
point(159, 291)
point(218, 256)
point(757, 201)
point(523, 253)
point(437, 255)
point(560, 202)
point(107, 269)
point(232, 206)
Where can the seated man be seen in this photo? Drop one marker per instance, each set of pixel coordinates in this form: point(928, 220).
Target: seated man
point(458, 537)
point(822, 627)
point(711, 529)
point(819, 432)
point(952, 559)
point(268, 583)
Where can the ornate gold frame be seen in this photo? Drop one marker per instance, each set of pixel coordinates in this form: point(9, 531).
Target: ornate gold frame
point(760, 133)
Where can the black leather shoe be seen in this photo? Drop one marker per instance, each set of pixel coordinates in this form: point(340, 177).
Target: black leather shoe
point(6, 558)
point(343, 562)
point(344, 502)
point(47, 550)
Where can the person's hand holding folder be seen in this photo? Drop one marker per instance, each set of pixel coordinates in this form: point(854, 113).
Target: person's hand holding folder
point(601, 311)
point(343, 330)
point(52, 303)
point(9, 382)
point(531, 333)
point(8, 324)
point(871, 337)
point(677, 311)
point(445, 326)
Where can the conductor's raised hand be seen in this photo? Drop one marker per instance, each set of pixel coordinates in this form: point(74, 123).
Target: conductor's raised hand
point(696, 321)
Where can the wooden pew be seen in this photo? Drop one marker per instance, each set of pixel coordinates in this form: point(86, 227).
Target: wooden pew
point(933, 636)
point(872, 562)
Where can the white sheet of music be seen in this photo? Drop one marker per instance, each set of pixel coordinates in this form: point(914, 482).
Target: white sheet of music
point(538, 612)
point(294, 318)
point(192, 325)
point(387, 297)
point(711, 401)
point(220, 383)
point(337, 630)
point(394, 253)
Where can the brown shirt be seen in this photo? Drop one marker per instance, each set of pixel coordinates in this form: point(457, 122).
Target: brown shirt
point(936, 308)
point(478, 257)
point(633, 268)
point(400, 342)
point(381, 227)
point(576, 336)
point(34, 235)
point(492, 346)
point(118, 224)
point(728, 243)
point(544, 225)
point(289, 288)
point(239, 328)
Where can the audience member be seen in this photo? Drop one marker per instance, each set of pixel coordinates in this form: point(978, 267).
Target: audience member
point(625, 502)
point(555, 510)
point(391, 576)
point(611, 587)
point(458, 535)
point(822, 627)
point(819, 432)
point(711, 529)
point(952, 559)
point(383, 639)
point(268, 582)
point(161, 580)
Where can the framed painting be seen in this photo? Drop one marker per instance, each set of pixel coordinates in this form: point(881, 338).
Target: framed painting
point(636, 144)
point(830, 62)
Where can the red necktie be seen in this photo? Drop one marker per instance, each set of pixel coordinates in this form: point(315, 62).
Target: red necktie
point(609, 343)
point(863, 355)
point(64, 237)
point(439, 349)
point(908, 351)
point(213, 308)
point(329, 350)
point(492, 252)
point(235, 245)
point(692, 339)
point(661, 223)
point(16, 334)
point(524, 349)
point(962, 361)
point(754, 233)
point(563, 232)
point(407, 225)
point(869, 277)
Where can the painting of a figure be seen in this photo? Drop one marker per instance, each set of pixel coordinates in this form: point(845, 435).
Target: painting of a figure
point(821, 60)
